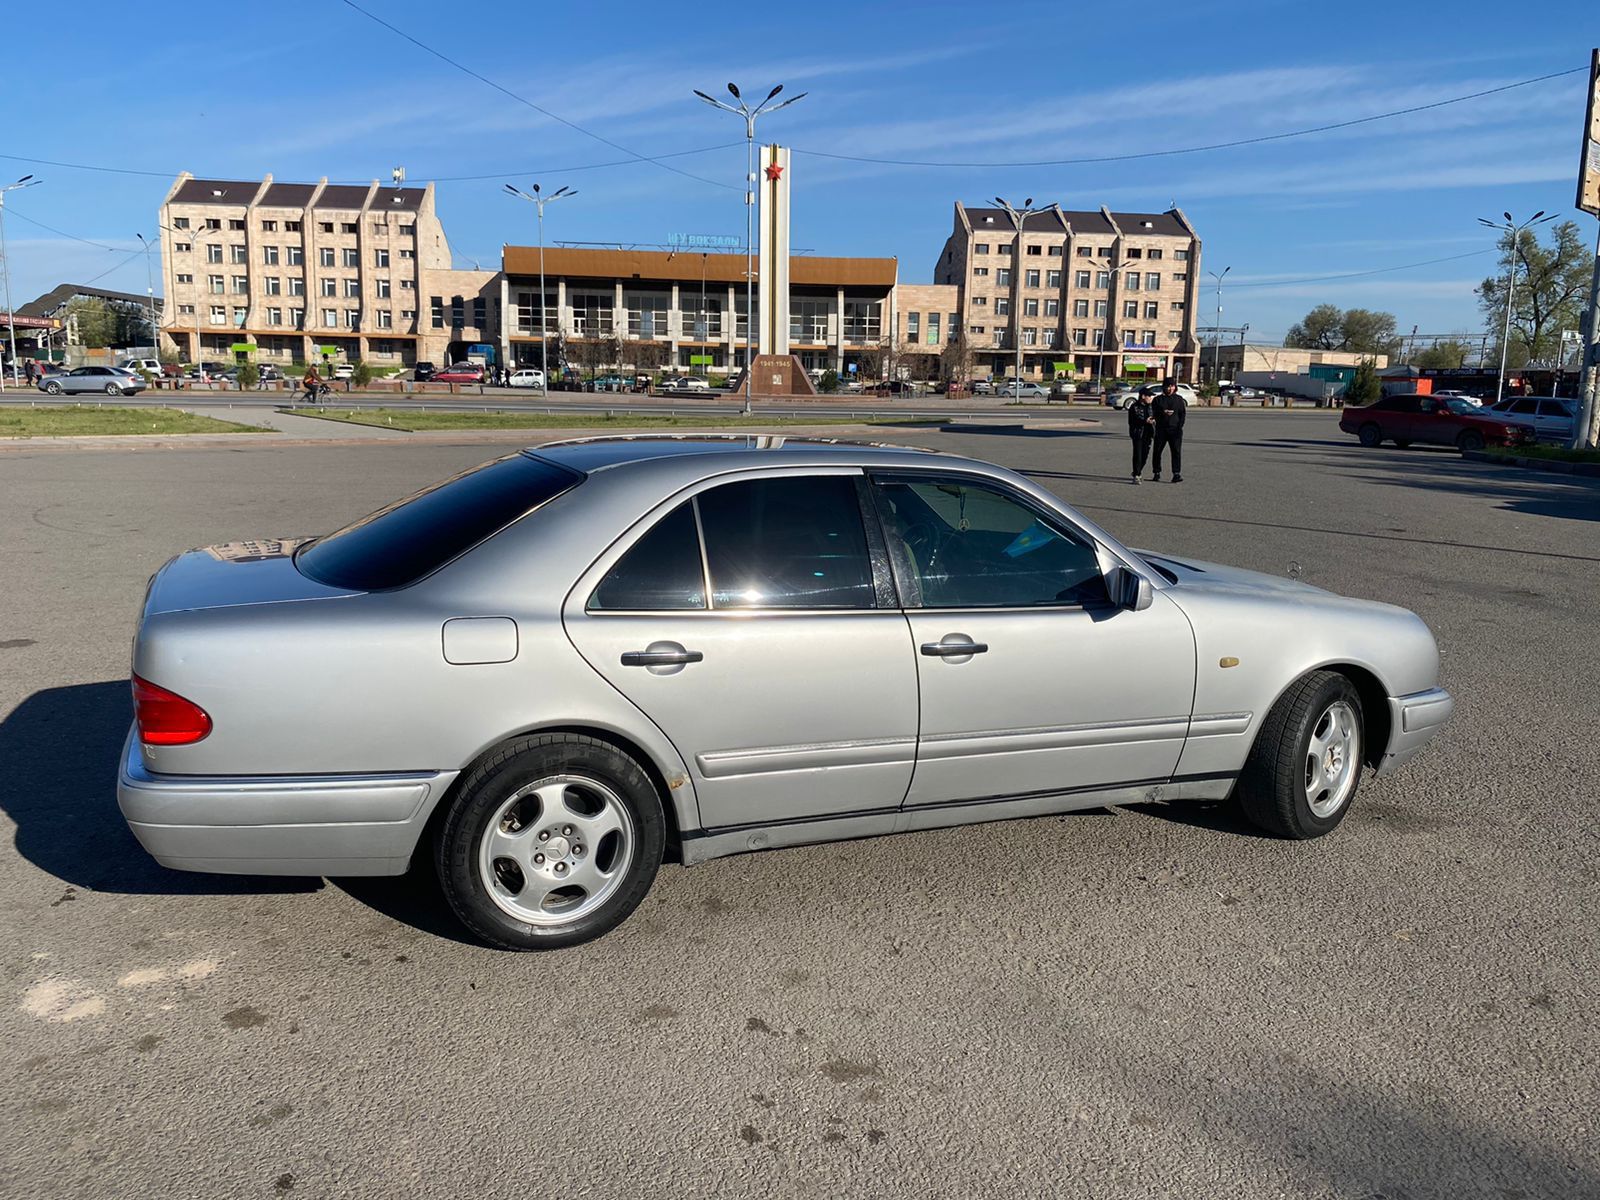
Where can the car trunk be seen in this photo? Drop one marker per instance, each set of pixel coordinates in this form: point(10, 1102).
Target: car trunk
point(236, 573)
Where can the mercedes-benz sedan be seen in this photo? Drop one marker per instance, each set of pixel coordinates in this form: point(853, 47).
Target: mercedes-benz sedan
point(550, 671)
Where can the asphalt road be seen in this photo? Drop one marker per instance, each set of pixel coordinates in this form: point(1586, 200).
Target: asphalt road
point(1150, 1001)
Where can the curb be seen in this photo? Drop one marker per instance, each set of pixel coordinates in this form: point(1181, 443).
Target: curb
point(1553, 466)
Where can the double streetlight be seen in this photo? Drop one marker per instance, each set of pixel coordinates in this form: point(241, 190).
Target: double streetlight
point(192, 238)
point(5, 265)
point(749, 114)
point(1019, 217)
point(1216, 345)
point(1510, 227)
point(150, 293)
point(538, 199)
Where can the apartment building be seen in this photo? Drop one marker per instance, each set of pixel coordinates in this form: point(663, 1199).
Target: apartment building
point(303, 272)
point(1099, 293)
point(690, 306)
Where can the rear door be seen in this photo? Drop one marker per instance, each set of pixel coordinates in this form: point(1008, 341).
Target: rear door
point(750, 621)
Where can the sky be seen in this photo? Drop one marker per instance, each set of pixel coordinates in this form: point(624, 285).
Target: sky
point(305, 89)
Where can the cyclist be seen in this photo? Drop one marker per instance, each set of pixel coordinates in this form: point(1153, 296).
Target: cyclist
point(312, 382)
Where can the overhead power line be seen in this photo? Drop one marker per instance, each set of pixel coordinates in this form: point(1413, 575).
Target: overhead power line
point(71, 237)
point(523, 100)
point(1360, 274)
point(1251, 141)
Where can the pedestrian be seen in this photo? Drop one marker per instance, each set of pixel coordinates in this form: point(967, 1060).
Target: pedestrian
point(30, 368)
point(1141, 428)
point(1169, 411)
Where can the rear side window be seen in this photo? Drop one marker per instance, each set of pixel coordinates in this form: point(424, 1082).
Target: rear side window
point(662, 571)
point(400, 544)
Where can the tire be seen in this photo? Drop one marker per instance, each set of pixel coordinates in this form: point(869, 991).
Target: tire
point(1285, 787)
point(538, 793)
point(1469, 439)
point(53, 388)
point(113, 390)
point(1370, 435)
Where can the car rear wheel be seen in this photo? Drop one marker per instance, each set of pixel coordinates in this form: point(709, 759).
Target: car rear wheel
point(1305, 765)
point(1469, 439)
point(550, 842)
point(1370, 434)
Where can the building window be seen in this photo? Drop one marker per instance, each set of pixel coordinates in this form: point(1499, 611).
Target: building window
point(480, 313)
point(269, 227)
point(977, 329)
point(913, 326)
point(458, 312)
point(352, 288)
point(1080, 337)
point(999, 337)
point(1101, 308)
point(1080, 308)
point(1178, 305)
point(352, 257)
point(237, 254)
point(1030, 336)
point(182, 247)
point(330, 317)
point(1152, 281)
point(981, 272)
point(407, 253)
point(980, 302)
point(330, 287)
point(296, 256)
point(214, 284)
point(235, 223)
point(219, 315)
point(326, 256)
point(1034, 249)
point(981, 248)
point(1052, 280)
point(1130, 281)
point(180, 222)
point(1128, 337)
point(297, 285)
point(1030, 308)
point(408, 285)
point(213, 253)
point(1103, 252)
point(1002, 306)
point(274, 285)
point(269, 255)
point(383, 289)
point(863, 320)
point(436, 311)
point(808, 320)
point(350, 227)
point(1055, 251)
point(185, 278)
point(1181, 255)
point(1099, 338)
point(593, 314)
point(352, 317)
point(1047, 337)
point(408, 230)
point(1135, 252)
point(1002, 277)
point(1030, 279)
point(326, 227)
point(1052, 307)
point(1102, 279)
point(385, 319)
point(1080, 279)
point(186, 310)
point(274, 316)
point(297, 317)
point(213, 223)
point(382, 257)
point(1152, 310)
point(1154, 254)
point(1130, 308)
point(1085, 252)
point(407, 315)
point(291, 226)
point(1180, 277)
point(1149, 338)
point(933, 329)
point(1174, 336)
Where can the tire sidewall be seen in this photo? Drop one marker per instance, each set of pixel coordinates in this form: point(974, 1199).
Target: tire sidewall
point(489, 786)
point(1370, 435)
point(1334, 688)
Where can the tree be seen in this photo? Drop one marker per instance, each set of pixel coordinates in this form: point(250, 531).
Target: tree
point(871, 361)
point(1551, 285)
point(1449, 355)
point(645, 355)
point(1364, 386)
point(955, 363)
point(1328, 327)
point(594, 353)
point(91, 322)
point(249, 376)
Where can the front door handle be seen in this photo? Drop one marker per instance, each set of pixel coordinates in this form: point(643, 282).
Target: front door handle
point(661, 658)
point(954, 646)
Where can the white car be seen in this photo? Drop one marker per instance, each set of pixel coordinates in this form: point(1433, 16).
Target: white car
point(1550, 417)
point(528, 377)
point(343, 371)
point(138, 365)
point(1121, 397)
point(1024, 389)
point(1151, 390)
point(686, 383)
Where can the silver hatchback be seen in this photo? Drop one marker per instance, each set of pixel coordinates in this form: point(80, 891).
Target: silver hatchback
point(551, 671)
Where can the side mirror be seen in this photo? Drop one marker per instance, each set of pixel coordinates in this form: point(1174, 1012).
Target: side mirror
point(1129, 589)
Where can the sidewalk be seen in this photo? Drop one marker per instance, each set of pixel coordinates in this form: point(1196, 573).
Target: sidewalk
point(306, 428)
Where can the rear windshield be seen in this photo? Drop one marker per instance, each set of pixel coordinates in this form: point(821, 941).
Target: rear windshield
point(400, 544)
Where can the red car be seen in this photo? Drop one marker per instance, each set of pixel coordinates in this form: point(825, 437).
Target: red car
point(459, 373)
point(1429, 421)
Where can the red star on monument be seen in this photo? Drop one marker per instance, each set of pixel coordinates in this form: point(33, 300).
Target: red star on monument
point(773, 171)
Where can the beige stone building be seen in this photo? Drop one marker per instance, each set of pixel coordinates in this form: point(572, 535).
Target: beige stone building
point(1097, 293)
point(304, 272)
point(927, 316)
point(1232, 358)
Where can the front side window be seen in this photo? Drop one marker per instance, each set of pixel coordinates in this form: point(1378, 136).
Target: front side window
point(961, 543)
point(662, 572)
point(786, 543)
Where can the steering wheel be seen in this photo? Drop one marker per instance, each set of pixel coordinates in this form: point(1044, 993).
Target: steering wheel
point(927, 542)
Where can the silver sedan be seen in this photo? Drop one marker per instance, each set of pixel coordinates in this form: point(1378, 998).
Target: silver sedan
point(551, 671)
point(113, 381)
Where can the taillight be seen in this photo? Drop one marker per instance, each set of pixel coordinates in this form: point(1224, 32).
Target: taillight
point(166, 718)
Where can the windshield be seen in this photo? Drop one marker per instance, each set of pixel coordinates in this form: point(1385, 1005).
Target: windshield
point(1461, 407)
point(416, 536)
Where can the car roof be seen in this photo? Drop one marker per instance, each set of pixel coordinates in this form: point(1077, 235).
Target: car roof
point(604, 453)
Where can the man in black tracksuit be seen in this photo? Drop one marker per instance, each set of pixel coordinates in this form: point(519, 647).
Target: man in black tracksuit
point(1169, 410)
point(1141, 428)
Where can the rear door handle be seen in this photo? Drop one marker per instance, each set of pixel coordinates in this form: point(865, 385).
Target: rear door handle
point(660, 658)
point(949, 649)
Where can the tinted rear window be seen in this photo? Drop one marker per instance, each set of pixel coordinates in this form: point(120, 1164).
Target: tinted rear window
point(410, 538)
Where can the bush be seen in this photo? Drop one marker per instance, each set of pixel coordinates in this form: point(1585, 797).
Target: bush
point(363, 374)
point(830, 382)
point(1364, 386)
point(249, 376)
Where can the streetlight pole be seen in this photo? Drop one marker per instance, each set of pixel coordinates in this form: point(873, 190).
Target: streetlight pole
point(1019, 218)
point(1216, 346)
point(193, 238)
point(749, 114)
point(150, 294)
point(539, 200)
point(5, 265)
point(1514, 231)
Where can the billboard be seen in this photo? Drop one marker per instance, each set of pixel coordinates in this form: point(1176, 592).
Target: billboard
point(1589, 162)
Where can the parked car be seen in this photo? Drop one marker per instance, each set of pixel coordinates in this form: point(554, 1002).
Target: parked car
point(896, 387)
point(1021, 390)
point(1063, 389)
point(113, 381)
point(1121, 397)
point(459, 373)
point(686, 383)
point(1452, 393)
point(422, 372)
point(1410, 417)
point(608, 383)
point(982, 387)
point(1550, 418)
point(139, 365)
point(528, 377)
point(343, 370)
point(1151, 390)
point(542, 670)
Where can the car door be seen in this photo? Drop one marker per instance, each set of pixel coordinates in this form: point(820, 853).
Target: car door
point(1031, 682)
point(84, 379)
point(1554, 420)
point(751, 623)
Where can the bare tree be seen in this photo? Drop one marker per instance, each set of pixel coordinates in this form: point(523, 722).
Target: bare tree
point(645, 355)
point(956, 362)
point(593, 353)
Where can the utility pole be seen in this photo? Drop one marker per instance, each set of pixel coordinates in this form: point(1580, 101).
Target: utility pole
point(1586, 429)
point(539, 200)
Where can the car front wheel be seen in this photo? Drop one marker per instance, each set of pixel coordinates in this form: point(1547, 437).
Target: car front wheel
point(1469, 439)
point(53, 388)
point(1370, 434)
point(552, 841)
point(1305, 766)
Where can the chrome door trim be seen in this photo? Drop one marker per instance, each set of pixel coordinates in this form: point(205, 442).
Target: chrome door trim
point(723, 764)
point(1220, 724)
point(1012, 741)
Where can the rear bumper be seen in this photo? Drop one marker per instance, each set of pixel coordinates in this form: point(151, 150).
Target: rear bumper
point(277, 825)
point(1413, 720)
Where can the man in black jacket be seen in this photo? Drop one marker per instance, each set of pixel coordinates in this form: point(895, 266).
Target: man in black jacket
point(1169, 410)
point(1141, 428)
